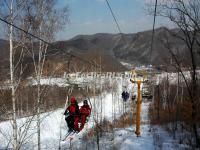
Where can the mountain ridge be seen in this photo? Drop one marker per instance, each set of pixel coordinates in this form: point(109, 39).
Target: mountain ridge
point(131, 47)
point(111, 49)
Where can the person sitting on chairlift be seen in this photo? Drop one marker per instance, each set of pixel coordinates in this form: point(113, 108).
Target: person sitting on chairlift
point(125, 95)
point(72, 115)
point(85, 111)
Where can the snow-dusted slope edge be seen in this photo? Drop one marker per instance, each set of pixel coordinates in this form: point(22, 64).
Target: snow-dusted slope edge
point(53, 127)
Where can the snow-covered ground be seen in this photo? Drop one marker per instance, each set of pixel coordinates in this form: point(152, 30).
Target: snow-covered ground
point(54, 128)
point(61, 82)
point(152, 137)
point(53, 125)
point(173, 77)
point(125, 139)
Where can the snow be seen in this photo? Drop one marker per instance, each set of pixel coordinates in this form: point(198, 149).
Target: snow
point(142, 143)
point(146, 139)
point(54, 128)
point(125, 138)
point(53, 123)
point(128, 65)
point(152, 137)
point(61, 82)
point(173, 77)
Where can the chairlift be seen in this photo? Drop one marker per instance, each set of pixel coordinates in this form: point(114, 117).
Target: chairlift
point(86, 97)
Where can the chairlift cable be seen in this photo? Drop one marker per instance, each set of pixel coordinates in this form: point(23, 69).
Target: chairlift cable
point(153, 31)
point(115, 20)
point(40, 39)
point(113, 15)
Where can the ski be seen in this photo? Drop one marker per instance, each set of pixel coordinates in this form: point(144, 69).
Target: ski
point(68, 134)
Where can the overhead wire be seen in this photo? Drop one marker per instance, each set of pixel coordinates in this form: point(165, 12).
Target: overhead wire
point(71, 55)
point(153, 31)
point(83, 60)
point(113, 15)
point(115, 20)
point(40, 39)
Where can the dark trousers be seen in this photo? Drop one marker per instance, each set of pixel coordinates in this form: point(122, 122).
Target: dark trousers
point(70, 122)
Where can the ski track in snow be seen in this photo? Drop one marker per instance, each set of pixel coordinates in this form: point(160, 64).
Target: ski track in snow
point(53, 124)
point(140, 143)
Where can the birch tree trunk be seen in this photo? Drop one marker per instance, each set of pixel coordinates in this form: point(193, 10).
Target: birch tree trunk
point(39, 73)
point(12, 82)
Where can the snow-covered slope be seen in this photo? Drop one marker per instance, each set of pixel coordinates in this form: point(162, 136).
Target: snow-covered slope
point(54, 128)
point(53, 125)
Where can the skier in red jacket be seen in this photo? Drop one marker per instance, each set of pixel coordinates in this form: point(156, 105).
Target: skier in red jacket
point(72, 115)
point(85, 111)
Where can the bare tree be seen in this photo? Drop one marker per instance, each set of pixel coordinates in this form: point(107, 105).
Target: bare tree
point(42, 19)
point(185, 15)
point(10, 10)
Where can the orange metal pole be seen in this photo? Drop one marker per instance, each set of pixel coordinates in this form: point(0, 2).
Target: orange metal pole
point(138, 110)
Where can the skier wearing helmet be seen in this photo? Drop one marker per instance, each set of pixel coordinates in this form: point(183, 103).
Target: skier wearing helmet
point(72, 115)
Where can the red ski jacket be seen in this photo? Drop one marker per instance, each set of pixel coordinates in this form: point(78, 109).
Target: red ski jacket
point(73, 110)
point(85, 110)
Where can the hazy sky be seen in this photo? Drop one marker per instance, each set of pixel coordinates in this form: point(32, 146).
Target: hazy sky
point(93, 16)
